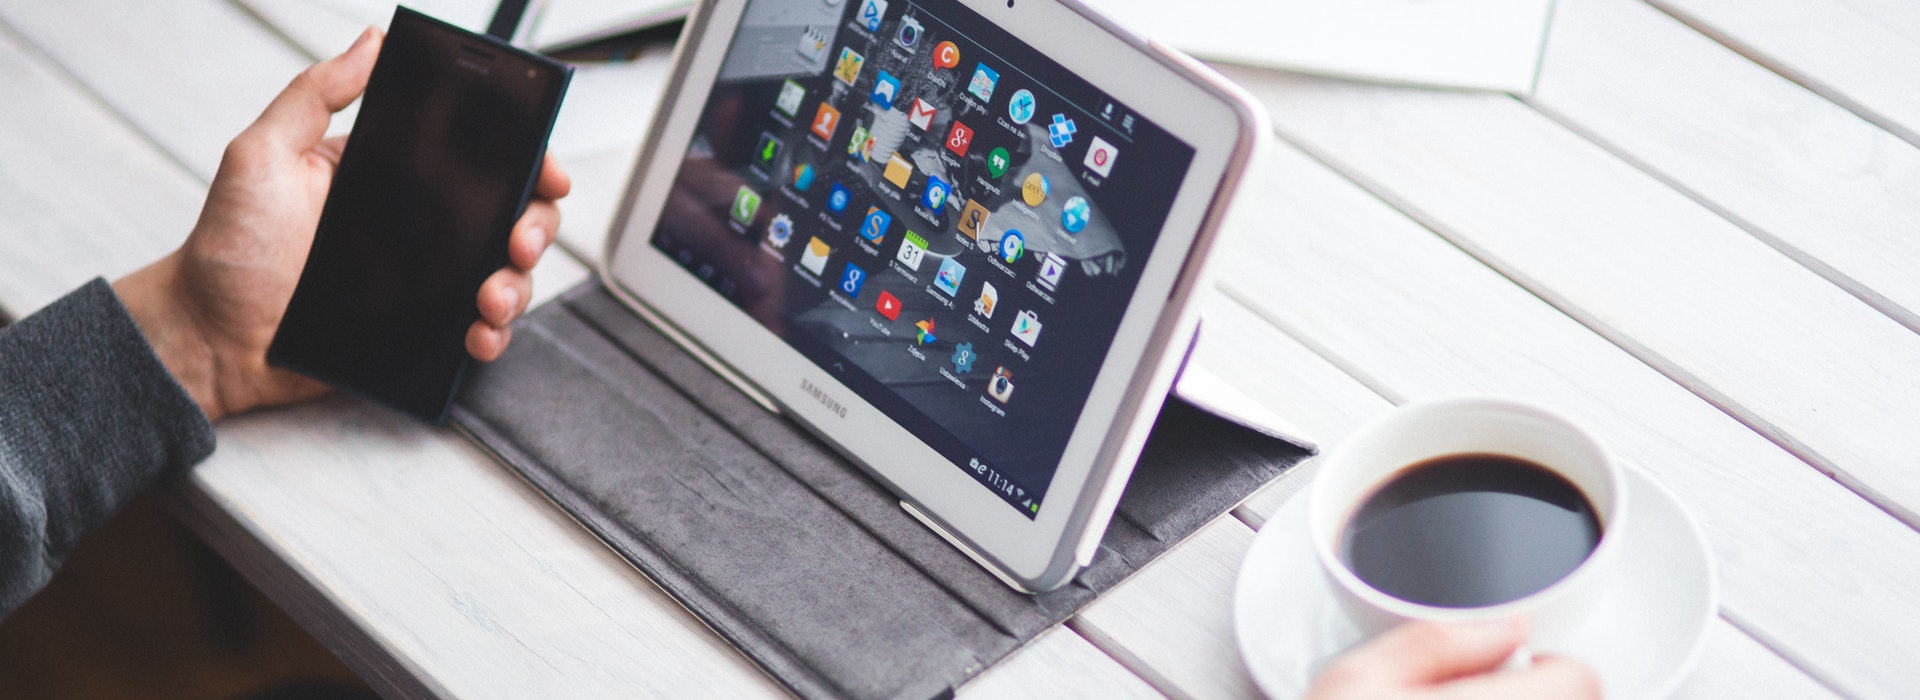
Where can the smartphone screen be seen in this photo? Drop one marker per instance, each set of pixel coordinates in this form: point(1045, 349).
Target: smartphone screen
point(440, 164)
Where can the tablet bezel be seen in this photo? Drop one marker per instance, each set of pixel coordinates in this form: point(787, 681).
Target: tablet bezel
point(1187, 100)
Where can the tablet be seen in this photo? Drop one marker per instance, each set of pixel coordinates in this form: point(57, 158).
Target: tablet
point(959, 240)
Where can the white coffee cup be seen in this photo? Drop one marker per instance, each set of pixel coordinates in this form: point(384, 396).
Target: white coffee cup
point(1422, 431)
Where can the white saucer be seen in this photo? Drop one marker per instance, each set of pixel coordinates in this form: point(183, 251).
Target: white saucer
point(1643, 639)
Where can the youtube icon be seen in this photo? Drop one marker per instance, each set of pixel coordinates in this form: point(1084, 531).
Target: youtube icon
point(888, 306)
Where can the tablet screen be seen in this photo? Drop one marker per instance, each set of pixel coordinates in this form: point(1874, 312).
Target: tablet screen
point(934, 212)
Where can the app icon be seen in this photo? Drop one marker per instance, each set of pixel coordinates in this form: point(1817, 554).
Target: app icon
point(984, 79)
point(920, 114)
point(989, 298)
point(1100, 155)
point(909, 33)
point(851, 279)
point(1012, 245)
point(925, 336)
point(898, 171)
point(1060, 132)
point(860, 147)
point(745, 203)
point(936, 194)
point(1075, 214)
point(1021, 107)
point(885, 86)
point(813, 44)
point(1026, 327)
point(912, 251)
point(1001, 386)
point(803, 176)
point(815, 257)
point(959, 138)
point(1034, 190)
point(1051, 268)
point(780, 231)
point(888, 305)
point(838, 199)
point(997, 161)
point(791, 95)
point(848, 69)
point(963, 358)
point(874, 226)
point(766, 151)
point(871, 11)
point(825, 121)
point(946, 55)
point(972, 219)
point(948, 279)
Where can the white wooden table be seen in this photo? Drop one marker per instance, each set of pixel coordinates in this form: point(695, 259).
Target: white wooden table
point(1700, 235)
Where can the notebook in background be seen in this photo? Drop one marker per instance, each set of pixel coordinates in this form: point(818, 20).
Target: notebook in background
point(1474, 44)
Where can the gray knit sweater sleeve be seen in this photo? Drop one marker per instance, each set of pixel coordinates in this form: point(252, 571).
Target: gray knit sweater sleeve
point(88, 418)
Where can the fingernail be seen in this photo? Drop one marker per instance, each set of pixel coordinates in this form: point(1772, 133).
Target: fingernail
point(540, 234)
point(365, 34)
point(513, 301)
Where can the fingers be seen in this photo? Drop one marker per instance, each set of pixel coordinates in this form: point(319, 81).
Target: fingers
point(485, 343)
point(502, 298)
point(1420, 653)
point(504, 295)
point(331, 148)
point(298, 116)
point(533, 233)
point(1549, 677)
point(554, 181)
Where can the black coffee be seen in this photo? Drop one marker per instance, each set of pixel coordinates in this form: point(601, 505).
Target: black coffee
point(1470, 530)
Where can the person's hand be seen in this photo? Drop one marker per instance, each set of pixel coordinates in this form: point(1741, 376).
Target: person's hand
point(211, 308)
point(1433, 662)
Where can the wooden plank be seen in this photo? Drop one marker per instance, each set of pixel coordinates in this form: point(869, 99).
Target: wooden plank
point(1172, 623)
point(321, 28)
point(316, 29)
point(1806, 566)
point(188, 73)
point(1686, 291)
point(454, 566)
point(83, 194)
point(557, 272)
point(1057, 664)
point(1829, 189)
point(1862, 54)
point(1735, 665)
point(599, 181)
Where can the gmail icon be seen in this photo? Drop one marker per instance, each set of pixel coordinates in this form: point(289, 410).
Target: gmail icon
point(920, 114)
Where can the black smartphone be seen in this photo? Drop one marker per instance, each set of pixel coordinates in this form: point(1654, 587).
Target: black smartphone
point(439, 166)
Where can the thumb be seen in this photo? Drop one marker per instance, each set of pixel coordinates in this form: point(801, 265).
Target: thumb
point(1423, 653)
point(298, 117)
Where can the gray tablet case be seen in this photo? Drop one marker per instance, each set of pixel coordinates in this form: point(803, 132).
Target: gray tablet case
point(795, 556)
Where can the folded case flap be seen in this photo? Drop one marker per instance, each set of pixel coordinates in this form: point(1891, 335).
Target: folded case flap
point(779, 544)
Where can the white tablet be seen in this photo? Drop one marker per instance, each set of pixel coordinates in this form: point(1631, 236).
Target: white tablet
point(960, 240)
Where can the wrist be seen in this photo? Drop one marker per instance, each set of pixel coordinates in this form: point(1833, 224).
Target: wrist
point(153, 298)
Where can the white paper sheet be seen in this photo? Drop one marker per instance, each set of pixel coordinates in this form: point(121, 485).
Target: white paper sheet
point(1475, 44)
point(566, 23)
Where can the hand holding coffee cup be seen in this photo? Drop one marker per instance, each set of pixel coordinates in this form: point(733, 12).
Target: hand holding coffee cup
point(1429, 660)
point(1469, 511)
